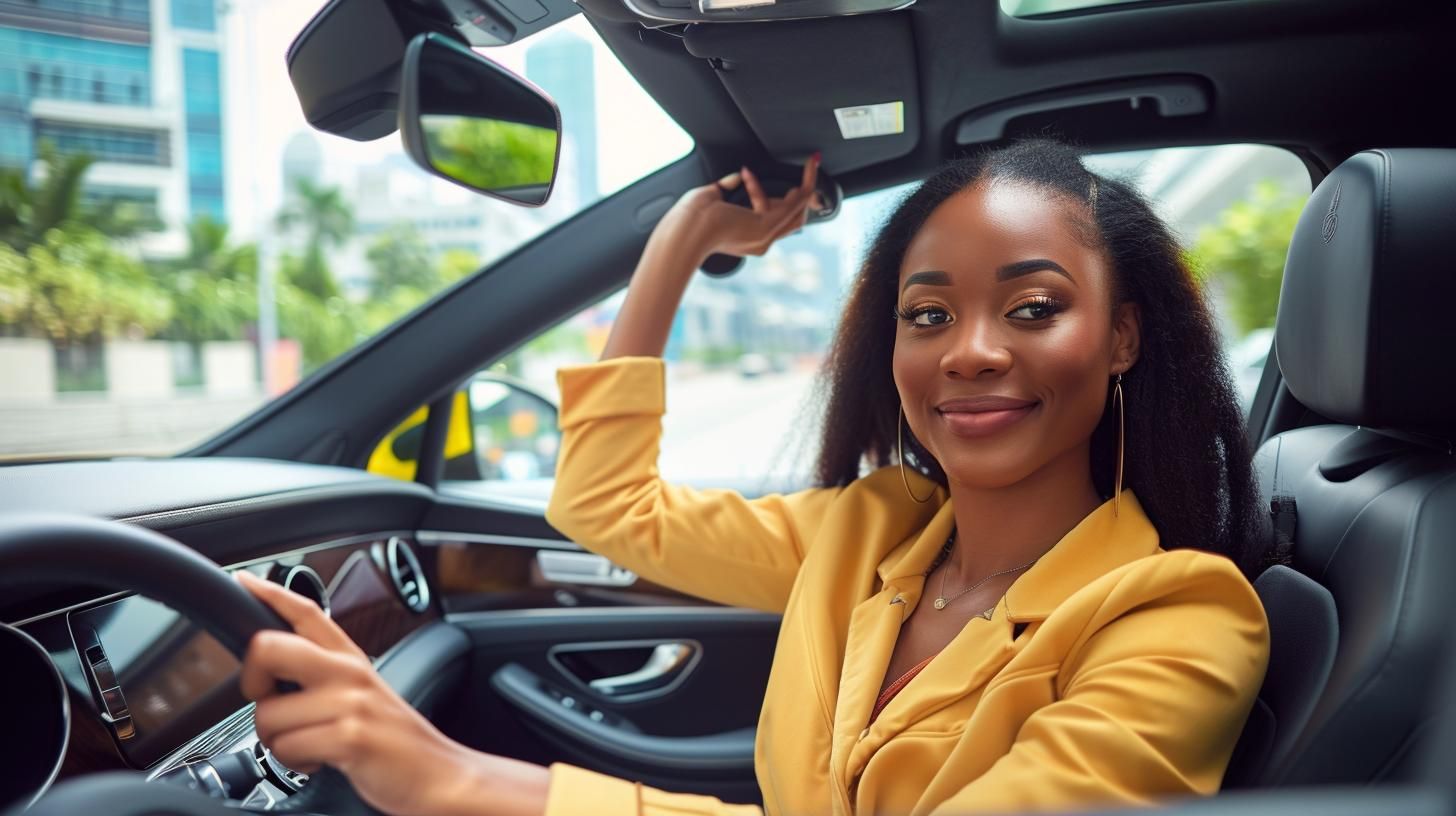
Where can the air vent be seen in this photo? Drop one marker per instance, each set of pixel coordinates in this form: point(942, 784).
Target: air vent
point(408, 577)
point(303, 580)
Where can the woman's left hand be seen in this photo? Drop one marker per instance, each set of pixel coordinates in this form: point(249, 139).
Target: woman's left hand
point(346, 716)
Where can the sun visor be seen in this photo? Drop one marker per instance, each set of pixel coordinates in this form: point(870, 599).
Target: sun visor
point(846, 86)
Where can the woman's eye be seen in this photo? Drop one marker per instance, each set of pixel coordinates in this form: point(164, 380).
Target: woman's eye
point(930, 316)
point(1038, 309)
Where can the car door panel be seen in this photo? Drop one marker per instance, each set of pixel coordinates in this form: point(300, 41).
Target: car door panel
point(574, 659)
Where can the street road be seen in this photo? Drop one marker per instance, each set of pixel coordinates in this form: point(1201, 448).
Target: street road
point(724, 426)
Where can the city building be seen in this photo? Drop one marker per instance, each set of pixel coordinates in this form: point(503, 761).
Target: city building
point(393, 194)
point(562, 64)
point(136, 84)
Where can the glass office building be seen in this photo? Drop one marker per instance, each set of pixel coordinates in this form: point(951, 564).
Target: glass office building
point(135, 84)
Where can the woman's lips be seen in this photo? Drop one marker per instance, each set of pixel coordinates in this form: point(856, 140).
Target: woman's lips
point(985, 419)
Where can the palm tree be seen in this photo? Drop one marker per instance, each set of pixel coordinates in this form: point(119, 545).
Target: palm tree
point(327, 221)
point(213, 286)
point(28, 211)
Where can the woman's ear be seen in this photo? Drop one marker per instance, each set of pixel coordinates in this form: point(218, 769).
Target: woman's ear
point(1127, 337)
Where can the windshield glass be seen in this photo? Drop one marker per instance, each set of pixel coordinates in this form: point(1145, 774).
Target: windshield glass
point(178, 246)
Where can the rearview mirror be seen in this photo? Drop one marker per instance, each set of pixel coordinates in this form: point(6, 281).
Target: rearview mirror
point(468, 120)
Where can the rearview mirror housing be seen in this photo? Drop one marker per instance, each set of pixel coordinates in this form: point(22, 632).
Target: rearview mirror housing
point(470, 121)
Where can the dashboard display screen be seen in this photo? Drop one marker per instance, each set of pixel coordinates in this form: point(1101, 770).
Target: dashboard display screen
point(177, 679)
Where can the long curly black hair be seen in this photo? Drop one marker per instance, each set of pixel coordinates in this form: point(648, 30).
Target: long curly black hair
point(1186, 456)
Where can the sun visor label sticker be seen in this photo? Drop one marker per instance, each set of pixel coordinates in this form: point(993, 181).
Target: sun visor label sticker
point(863, 121)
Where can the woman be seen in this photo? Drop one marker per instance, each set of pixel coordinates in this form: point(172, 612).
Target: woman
point(1037, 599)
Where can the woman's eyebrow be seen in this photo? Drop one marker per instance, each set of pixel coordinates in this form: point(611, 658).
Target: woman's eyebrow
point(934, 277)
point(1019, 268)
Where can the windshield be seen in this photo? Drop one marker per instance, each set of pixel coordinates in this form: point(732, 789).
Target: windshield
point(178, 247)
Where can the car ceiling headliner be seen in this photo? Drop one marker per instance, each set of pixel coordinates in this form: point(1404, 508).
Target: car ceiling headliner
point(1326, 77)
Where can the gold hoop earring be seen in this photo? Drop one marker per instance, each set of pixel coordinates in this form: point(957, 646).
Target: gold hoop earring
point(900, 454)
point(1121, 433)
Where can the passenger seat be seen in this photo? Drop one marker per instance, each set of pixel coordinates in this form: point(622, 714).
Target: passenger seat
point(1366, 337)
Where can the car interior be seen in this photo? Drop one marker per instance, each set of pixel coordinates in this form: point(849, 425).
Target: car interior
point(122, 631)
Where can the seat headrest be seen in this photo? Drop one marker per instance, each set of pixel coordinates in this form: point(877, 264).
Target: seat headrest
point(1366, 333)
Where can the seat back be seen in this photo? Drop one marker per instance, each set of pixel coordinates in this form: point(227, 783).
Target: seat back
point(1365, 335)
point(1303, 635)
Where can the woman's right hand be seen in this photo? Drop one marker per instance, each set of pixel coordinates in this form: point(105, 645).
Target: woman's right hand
point(714, 225)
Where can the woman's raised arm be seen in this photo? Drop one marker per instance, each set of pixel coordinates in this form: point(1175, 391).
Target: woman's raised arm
point(608, 496)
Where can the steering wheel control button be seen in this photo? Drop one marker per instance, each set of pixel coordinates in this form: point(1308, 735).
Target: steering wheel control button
point(114, 709)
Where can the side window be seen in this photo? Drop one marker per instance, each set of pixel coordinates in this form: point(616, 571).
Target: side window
point(744, 351)
point(1234, 208)
point(501, 430)
point(513, 430)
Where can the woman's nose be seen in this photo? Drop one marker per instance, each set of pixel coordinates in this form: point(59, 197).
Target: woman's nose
point(977, 348)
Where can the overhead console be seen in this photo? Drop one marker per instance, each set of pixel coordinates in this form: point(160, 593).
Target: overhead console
point(743, 11)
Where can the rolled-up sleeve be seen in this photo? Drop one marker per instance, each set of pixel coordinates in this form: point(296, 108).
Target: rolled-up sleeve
point(575, 791)
point(609, 497)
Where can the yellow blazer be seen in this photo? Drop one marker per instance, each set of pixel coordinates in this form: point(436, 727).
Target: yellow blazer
point(1129, 685)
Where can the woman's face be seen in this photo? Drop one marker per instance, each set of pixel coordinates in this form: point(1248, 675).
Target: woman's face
point(1006, 334)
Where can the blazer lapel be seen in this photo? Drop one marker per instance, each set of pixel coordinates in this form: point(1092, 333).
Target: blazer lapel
point(1099, 544)
point(983, 648)
point(875, 626)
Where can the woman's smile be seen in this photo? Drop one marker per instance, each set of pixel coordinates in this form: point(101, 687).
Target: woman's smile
point(976, 417)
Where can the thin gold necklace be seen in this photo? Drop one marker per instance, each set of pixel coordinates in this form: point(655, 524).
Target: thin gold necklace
point(941, 600)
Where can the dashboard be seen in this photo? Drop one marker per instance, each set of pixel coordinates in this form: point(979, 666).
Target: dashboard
point(116, 681)
point(145, 685)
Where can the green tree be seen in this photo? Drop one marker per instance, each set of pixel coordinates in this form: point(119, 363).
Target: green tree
point(62, 275)
point(1243, 253)
point(409, 286)
point(213, 287)
point(491, 154)
point(324, 327)
point(28, 211)
point(456, 264)
point(327, 222)
point(400, 259)
point(75, 286)
point(311, 307)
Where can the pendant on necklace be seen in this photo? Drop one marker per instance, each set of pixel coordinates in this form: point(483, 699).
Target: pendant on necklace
point(940, 603)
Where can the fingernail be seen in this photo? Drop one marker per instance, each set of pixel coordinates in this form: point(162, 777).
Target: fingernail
point(817, 155)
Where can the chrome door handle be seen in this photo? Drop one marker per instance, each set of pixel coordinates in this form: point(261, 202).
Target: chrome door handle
point(662, 666)
point(585, 569)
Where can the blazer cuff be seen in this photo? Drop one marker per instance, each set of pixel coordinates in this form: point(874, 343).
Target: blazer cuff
point(621, 386)
point(574, 791)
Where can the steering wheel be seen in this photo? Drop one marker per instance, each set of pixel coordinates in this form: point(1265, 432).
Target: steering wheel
point(123, 557)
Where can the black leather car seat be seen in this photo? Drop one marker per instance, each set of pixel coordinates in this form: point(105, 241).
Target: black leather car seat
point(1366, 337)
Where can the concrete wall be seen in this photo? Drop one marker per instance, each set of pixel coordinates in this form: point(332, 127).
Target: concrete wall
point(141, 412)
point(27, 370)
point(229, 369)
point(138, 369)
